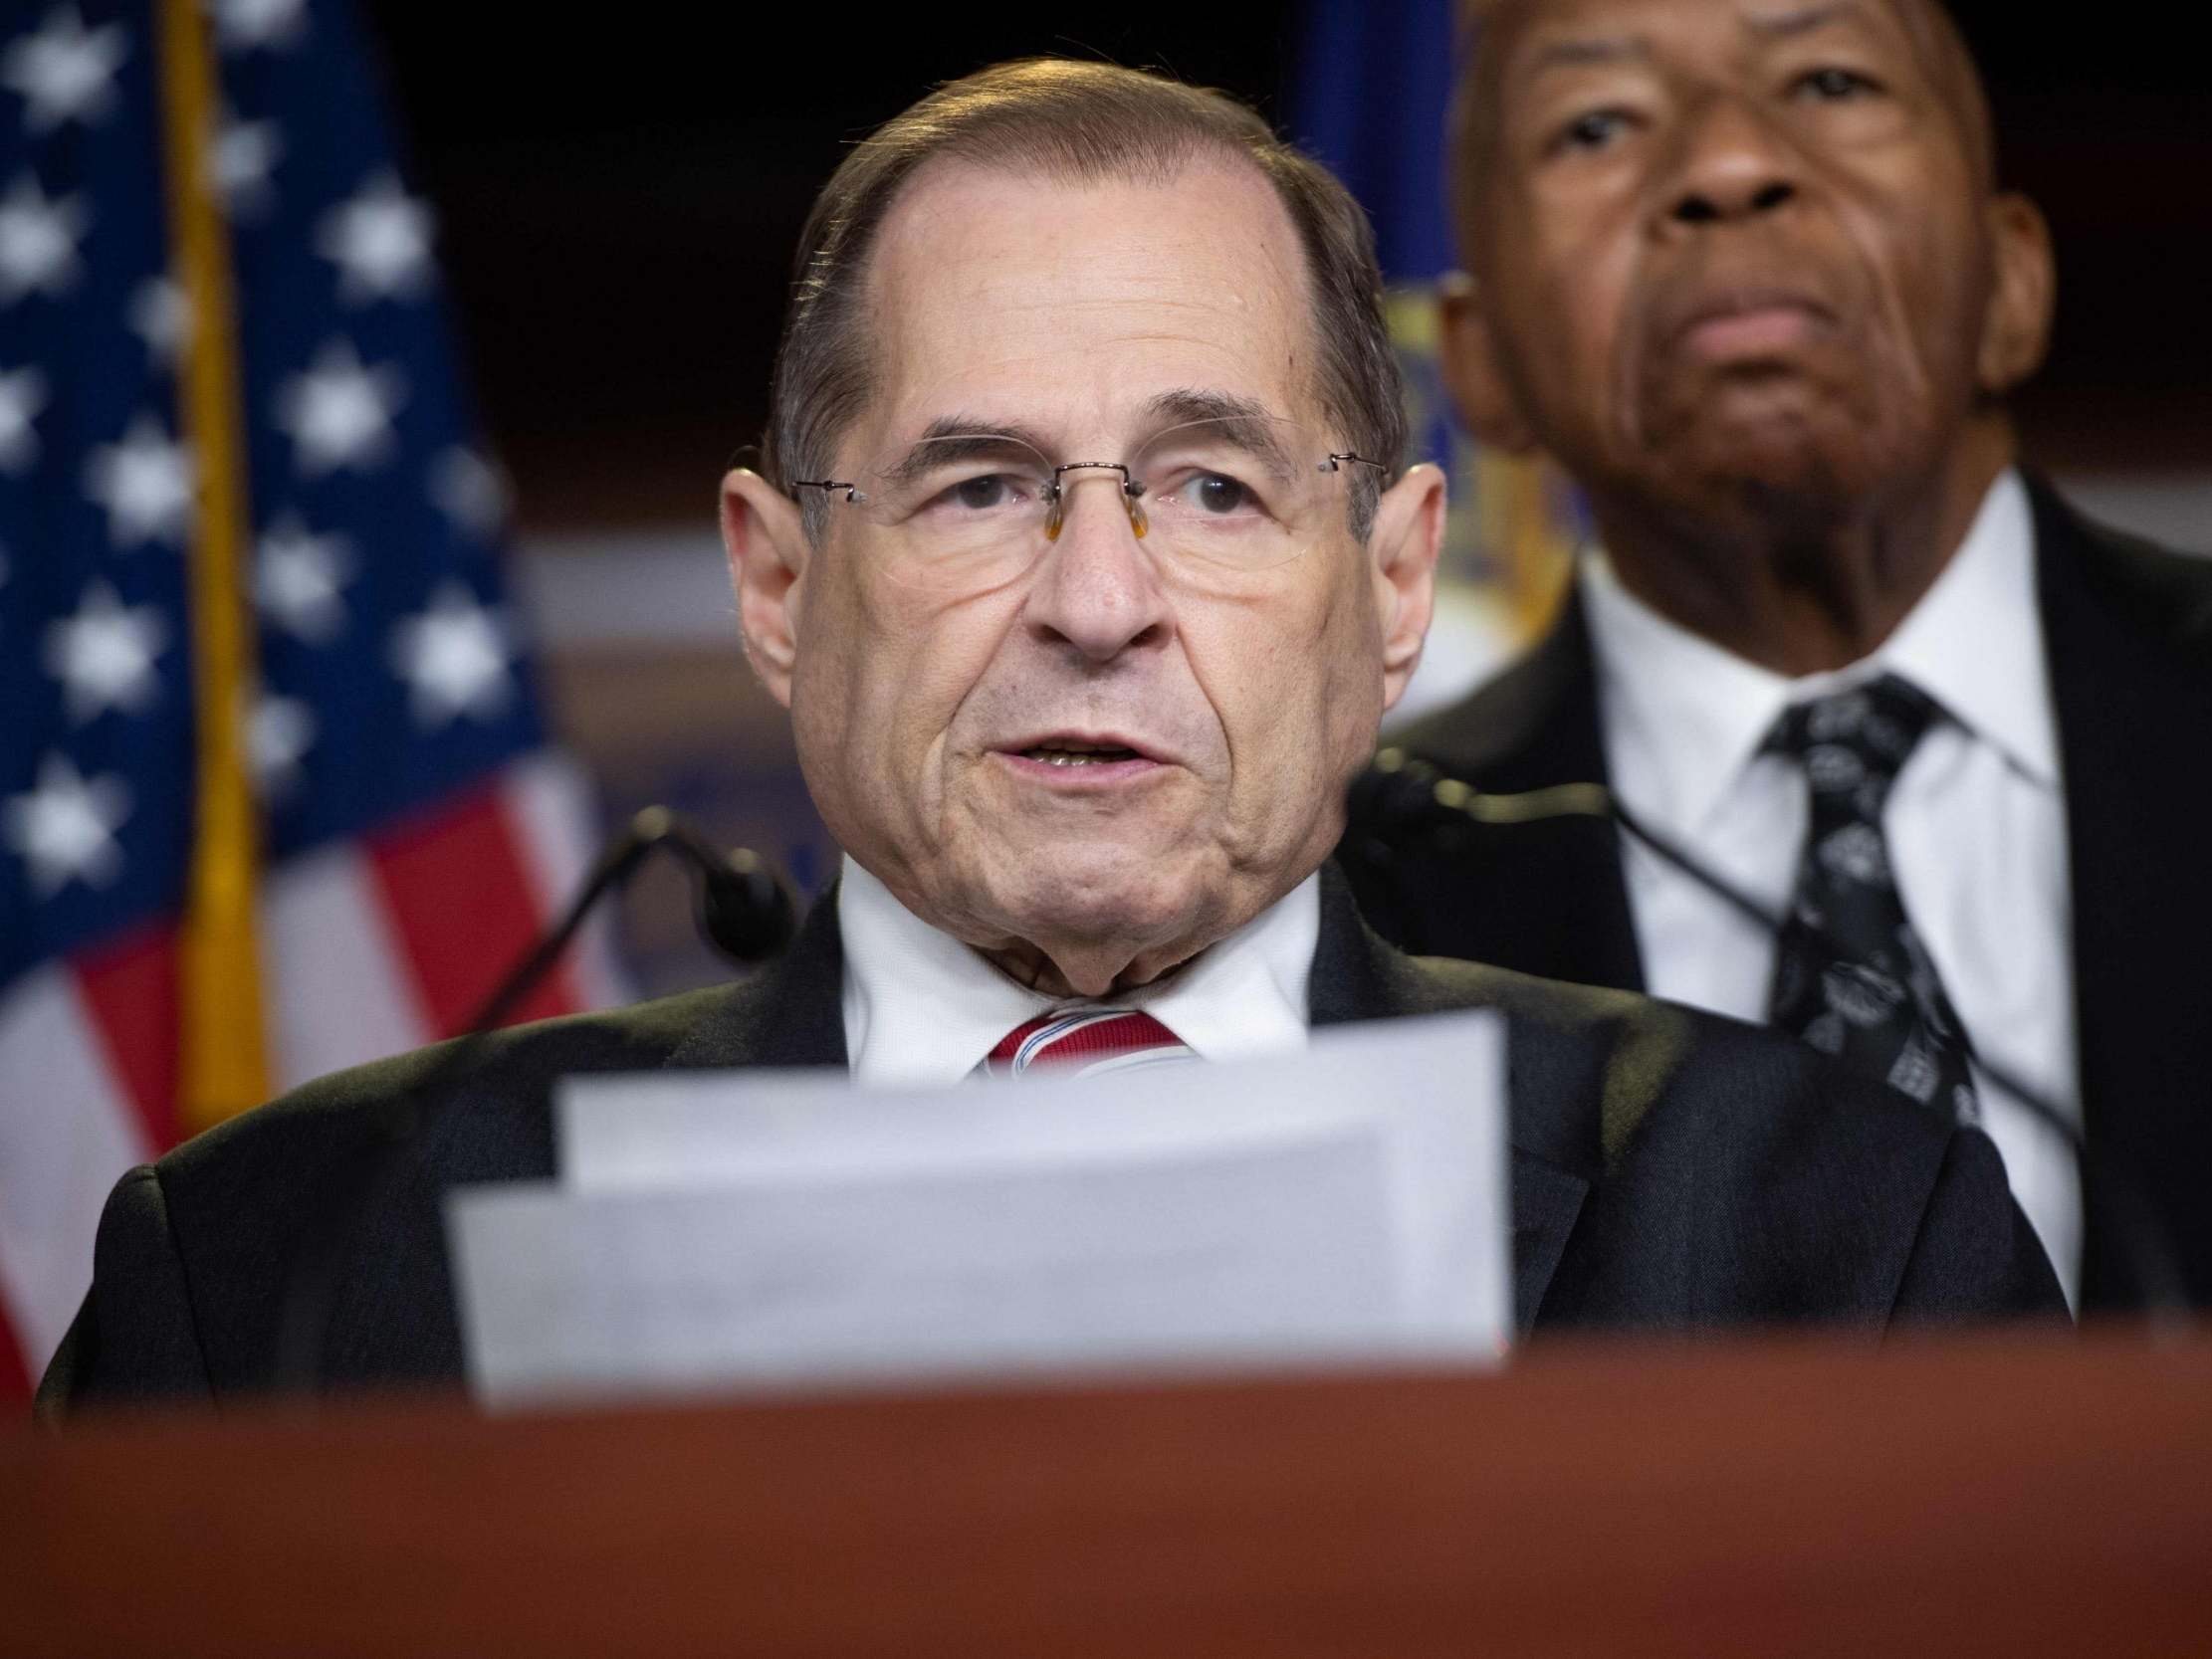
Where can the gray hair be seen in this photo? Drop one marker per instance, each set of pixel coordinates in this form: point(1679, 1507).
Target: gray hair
point(1081, 122)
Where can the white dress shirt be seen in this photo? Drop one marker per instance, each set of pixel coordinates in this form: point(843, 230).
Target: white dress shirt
point(922, 1008)
point(1976, 825)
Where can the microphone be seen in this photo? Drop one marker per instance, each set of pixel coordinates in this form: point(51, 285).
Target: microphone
point(1401, 796)
point(1410, 796)
point(744, 909)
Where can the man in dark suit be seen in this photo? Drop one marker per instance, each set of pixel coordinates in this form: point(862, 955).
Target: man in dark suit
point(1087, 600)
point(1746, 273)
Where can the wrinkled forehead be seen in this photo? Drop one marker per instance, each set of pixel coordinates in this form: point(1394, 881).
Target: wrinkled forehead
point(1502, 42)
point(1071, 304)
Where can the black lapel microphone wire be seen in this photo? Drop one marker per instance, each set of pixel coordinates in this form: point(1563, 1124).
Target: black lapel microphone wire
point(1403, 796)
point(744, 909)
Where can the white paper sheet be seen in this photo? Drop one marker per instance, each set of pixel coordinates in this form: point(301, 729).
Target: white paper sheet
point(1343, 1204)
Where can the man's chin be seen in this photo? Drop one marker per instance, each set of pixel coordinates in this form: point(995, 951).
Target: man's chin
point(1775, 448)
point(1100, 905)
point(1095, 902)
point(1780, 478)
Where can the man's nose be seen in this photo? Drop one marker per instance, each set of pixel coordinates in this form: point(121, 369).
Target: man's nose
point(1731, 164)
point(1097, 586)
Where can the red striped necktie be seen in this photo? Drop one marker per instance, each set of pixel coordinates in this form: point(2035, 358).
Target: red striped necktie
point(1082, 1040)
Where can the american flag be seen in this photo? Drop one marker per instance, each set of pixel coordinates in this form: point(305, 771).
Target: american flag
point(402, 824)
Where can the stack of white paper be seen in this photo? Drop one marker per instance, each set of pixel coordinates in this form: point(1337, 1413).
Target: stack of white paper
point(1344, 1204)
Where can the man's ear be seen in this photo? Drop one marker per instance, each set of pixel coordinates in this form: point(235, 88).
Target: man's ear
point(2015, 329)
point(1468, 346)
point(1401, 552)
point(767, 545)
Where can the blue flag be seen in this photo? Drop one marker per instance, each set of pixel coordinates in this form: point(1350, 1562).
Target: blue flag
point(1372, 98)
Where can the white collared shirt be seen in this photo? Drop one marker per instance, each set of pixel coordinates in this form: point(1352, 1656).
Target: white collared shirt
point(1976, 825)
point(922, 1008)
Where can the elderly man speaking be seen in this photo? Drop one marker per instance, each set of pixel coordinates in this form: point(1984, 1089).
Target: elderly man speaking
point(1083, 561)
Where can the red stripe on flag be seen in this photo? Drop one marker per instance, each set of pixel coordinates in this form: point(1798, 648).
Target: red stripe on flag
point(130, 987)
point(461, 900)
point(15, 1371)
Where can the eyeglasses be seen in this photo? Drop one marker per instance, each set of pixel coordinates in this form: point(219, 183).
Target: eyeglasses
point(1221, 497)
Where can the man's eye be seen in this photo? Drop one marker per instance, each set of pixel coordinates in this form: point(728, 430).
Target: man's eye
point(1209, 495)
point(983, 493)
point(1592, 129)
point(1218, 494)
point(1832, 84)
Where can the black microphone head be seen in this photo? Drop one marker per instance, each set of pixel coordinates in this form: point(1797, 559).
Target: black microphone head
point(1396, 795)
point(745, 910)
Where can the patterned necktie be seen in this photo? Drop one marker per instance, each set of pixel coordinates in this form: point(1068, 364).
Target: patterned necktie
point(1850, 976)
point(1084, 1039)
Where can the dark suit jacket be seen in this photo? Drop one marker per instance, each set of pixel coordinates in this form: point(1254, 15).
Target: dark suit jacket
point(2128, 628)
point(1669, 1169)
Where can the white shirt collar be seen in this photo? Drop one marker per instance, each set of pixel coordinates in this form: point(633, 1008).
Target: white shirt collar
point(922, 1008)
point(1974, 641)
point(1685, 718)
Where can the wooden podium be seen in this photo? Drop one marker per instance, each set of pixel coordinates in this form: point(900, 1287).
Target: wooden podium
point(1973, 1496)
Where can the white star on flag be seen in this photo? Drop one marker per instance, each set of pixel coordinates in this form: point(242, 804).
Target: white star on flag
point(22, 396)
point(298, 577)
point(38, 241)
point(159, 317)
point(338, 413)
point(65, 828)
point(104, 654)
point(145, 484)
point(278, 737)
point(65, 71)
point(454, 658)
point(240, 162)
point(242, 24)
point(380, 239)
point(469, 490)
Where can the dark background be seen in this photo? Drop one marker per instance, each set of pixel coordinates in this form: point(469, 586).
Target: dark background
point(617, 206)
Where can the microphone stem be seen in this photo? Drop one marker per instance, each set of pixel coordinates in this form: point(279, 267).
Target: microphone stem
point(1431, 795)
point(612, 869)
point(362, 1189)
point(1594, 800)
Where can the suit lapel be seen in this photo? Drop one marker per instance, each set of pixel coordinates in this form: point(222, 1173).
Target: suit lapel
point(1553, 1133)
point(2128, 633)
point(1547, 897)
point(1547, 1202)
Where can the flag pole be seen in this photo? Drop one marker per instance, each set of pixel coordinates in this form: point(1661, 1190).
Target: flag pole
point(222, 1039)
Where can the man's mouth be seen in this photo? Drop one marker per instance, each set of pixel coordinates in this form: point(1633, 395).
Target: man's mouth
point(1751, 333)
point(1060, 753)
point(1085, 759)
point(1748, 322)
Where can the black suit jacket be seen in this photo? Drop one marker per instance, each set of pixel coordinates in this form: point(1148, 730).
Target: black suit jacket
point(2128, 630)
point(1669, 1169)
